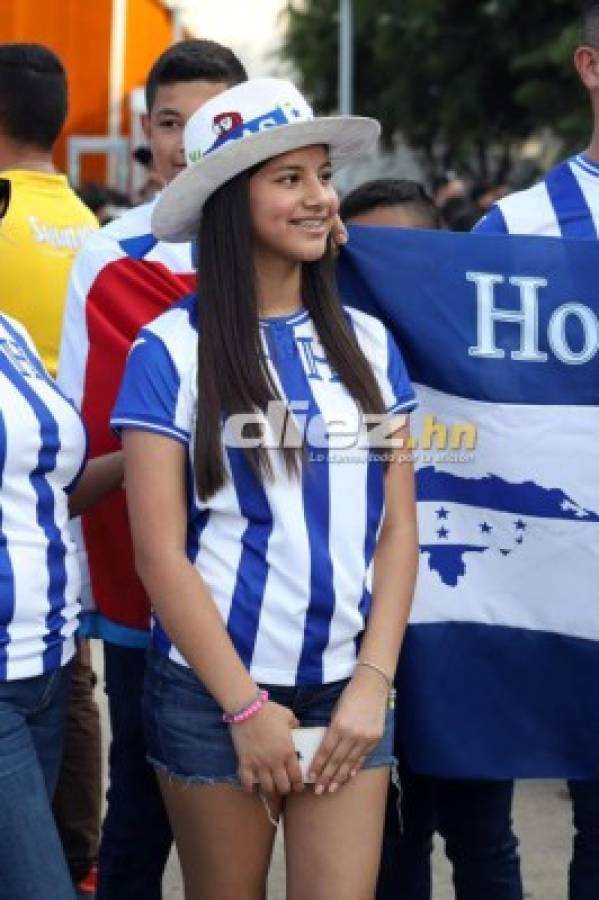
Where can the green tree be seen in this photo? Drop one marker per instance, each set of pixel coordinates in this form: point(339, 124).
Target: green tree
point(470, 77)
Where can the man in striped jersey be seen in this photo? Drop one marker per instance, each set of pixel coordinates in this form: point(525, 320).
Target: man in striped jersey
point(566, 204)
point(122, 279)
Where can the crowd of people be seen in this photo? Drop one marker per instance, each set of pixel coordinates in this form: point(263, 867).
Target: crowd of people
point(459, 202)
point(243, 595)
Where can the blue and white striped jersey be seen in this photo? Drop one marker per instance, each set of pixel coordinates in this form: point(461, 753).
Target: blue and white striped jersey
point(287, 561)
point(565, 204)
point(42, 452)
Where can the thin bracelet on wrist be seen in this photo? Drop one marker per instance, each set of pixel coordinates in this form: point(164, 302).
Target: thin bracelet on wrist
point(388, 681)
point(375, 668)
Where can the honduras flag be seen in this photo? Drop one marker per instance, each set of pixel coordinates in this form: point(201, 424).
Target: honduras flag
point(499, 674)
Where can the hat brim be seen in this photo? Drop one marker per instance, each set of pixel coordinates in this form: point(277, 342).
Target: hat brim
point(177, 213)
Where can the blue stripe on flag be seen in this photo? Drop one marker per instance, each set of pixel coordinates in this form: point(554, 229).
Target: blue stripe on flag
point(485, 701)
point(568, 200)
point(7, 578)
point(432, 310)
point(315, 490)
point(246, 603)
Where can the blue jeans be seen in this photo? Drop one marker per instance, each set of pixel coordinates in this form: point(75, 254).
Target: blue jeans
point(187, 738)
point(583, 882)
point(32, 718)
point(405, 872)
point(136, 835)
point(474, 818)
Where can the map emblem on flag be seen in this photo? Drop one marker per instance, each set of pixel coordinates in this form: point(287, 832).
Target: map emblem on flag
point(484, 515)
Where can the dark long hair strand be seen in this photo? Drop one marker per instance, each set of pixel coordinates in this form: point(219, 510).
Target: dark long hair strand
point(233, 373)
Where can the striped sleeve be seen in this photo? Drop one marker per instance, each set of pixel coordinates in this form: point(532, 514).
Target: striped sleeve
point(383, 354)
point(394, 382)
point(150, 396)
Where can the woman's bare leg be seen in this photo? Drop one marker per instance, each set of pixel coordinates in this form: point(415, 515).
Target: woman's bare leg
point(224, 839)
point(333, 842)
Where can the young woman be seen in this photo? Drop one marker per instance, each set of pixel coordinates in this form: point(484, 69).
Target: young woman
point(42, 482)
point(279, 556)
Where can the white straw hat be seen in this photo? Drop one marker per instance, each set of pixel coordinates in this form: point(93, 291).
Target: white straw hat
point(246, 125)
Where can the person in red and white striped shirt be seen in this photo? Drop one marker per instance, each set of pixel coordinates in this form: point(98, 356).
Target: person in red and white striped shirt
point(122, 279)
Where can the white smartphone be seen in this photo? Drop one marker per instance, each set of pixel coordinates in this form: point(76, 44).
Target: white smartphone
point(306, 742)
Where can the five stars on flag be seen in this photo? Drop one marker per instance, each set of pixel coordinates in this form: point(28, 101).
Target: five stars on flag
point(443, 533)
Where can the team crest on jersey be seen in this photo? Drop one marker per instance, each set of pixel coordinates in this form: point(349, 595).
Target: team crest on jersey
point(18, 358)
point(316, 363)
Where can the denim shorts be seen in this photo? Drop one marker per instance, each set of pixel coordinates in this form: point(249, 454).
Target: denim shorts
point(187, 738)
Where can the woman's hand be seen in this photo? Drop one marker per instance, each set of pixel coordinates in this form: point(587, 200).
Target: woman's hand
point(265, 751)
point(356, 728)
point(100, 477)
point(338, 233)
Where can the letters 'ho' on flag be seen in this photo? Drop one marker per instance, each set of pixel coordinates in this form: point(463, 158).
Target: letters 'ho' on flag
point(499, 675)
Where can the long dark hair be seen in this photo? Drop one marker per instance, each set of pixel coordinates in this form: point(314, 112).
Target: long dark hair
point(233, 374)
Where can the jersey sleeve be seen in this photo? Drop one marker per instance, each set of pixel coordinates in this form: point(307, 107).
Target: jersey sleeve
point(152, 396)
point(392, 376)
point(383, 354)
point(493, 223)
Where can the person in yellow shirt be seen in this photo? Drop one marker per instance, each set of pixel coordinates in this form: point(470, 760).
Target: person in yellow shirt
point(44, 227)
point(46, 222)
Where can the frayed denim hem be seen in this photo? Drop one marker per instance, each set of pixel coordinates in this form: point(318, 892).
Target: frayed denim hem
point(396, 782)
point(382, 763)
point(233, 780)
point(208, 781)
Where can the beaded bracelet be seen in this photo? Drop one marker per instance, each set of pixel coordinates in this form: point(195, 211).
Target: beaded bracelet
point(248, 711)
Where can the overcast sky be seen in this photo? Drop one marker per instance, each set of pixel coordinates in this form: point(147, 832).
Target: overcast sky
point(249, 27)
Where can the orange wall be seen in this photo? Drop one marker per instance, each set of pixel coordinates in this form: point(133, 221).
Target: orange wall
point(79, 33)
point(149, 32)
